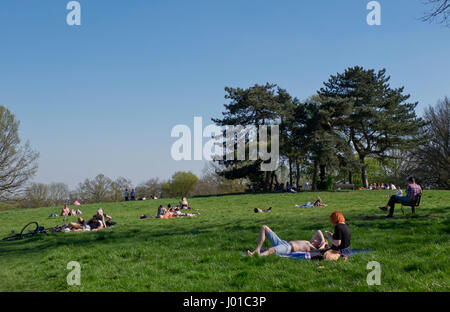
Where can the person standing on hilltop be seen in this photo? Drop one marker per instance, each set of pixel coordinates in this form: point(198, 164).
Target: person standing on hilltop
point(126, 195)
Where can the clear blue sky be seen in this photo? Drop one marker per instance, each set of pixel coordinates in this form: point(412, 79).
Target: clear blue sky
point(104, 96)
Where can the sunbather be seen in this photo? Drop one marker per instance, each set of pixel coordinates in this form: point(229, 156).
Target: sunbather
point(99, 221)
point(184, 204)
point(65, 211)
point(319, 203)
point(257, 210)
point(81, 225)
point(282, 247)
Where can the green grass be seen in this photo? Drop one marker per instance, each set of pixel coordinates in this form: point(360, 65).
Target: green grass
point(203, 253)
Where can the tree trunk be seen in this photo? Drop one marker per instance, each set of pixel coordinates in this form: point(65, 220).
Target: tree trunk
point(322, 184)
point(298, 174)
point(314, 177)
point(350, 177)
point(267, 182)
point(365, 182)
point(290, 171)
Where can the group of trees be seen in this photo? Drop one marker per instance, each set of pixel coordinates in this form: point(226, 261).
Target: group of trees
point(355, 120)
point(355, 128)
point(104, 189)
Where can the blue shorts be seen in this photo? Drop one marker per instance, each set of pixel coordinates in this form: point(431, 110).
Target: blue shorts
point(281, 247)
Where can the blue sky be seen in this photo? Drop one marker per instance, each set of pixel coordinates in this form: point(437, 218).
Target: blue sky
point(103, 97)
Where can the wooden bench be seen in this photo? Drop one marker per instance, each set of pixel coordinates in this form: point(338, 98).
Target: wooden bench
point(413, 204)
point(344, 186)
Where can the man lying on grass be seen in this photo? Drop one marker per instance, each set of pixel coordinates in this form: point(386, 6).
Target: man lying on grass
point(282, 247)
point(340, 241)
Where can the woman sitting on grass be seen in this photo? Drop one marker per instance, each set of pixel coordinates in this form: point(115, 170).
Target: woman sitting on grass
point(65, 212)
point(340, 240)
point(282, 247)
point(184, 204)
point(98, 221)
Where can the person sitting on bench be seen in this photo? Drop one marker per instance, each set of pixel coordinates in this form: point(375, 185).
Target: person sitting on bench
point(282, 247)
point(412, 190)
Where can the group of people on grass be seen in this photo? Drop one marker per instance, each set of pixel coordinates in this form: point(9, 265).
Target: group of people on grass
point(172, 212)
point(66, 211)
point(337, 247)
point(382, 186)
point(317, 245)
point(99, 221)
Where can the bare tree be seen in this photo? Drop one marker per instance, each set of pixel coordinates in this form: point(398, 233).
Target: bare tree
point(17, 162)
point(58, 193)
point(36, 195)
point(119, 186)
point(440, 12)
point(96, 190)
point(431, 161)
point(152, 187)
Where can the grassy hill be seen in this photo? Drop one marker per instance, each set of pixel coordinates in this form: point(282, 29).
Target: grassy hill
point(203, 253)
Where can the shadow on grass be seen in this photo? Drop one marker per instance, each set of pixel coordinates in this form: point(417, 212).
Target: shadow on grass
point(43, 242)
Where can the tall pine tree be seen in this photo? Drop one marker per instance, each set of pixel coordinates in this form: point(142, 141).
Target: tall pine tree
point(375, 117)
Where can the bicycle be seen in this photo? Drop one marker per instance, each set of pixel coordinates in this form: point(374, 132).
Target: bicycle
point(24, 234)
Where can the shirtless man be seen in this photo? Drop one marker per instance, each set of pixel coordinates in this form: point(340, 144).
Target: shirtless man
point(281, 247)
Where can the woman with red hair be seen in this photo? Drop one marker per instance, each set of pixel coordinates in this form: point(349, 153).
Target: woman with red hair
point(340, 240)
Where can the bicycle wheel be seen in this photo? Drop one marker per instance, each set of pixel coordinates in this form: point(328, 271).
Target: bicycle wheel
point(30, 229)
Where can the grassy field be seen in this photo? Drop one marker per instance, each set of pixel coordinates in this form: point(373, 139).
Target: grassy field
point(203, 253)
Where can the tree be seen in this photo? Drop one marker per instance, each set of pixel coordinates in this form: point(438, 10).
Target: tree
point(181, 184)
point(255, 106)
point(431, 160)
point(317, 138)
point(18, 163)
point(152, 187)
point(96, 190)
point(36, 195)
point(58, 193)
point(440, 11)
point(375, 118)
point(119, 186)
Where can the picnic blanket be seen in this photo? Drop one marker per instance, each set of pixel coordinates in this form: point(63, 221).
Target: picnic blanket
point(307, 255)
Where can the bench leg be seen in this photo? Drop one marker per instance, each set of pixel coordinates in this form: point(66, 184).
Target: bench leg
point(413, 209)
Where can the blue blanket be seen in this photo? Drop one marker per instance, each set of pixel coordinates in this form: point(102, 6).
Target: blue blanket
point(307, 255)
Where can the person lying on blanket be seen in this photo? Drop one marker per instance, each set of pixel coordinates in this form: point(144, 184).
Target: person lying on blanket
point(81, 225)
point(282, 247)
point(340, 240)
